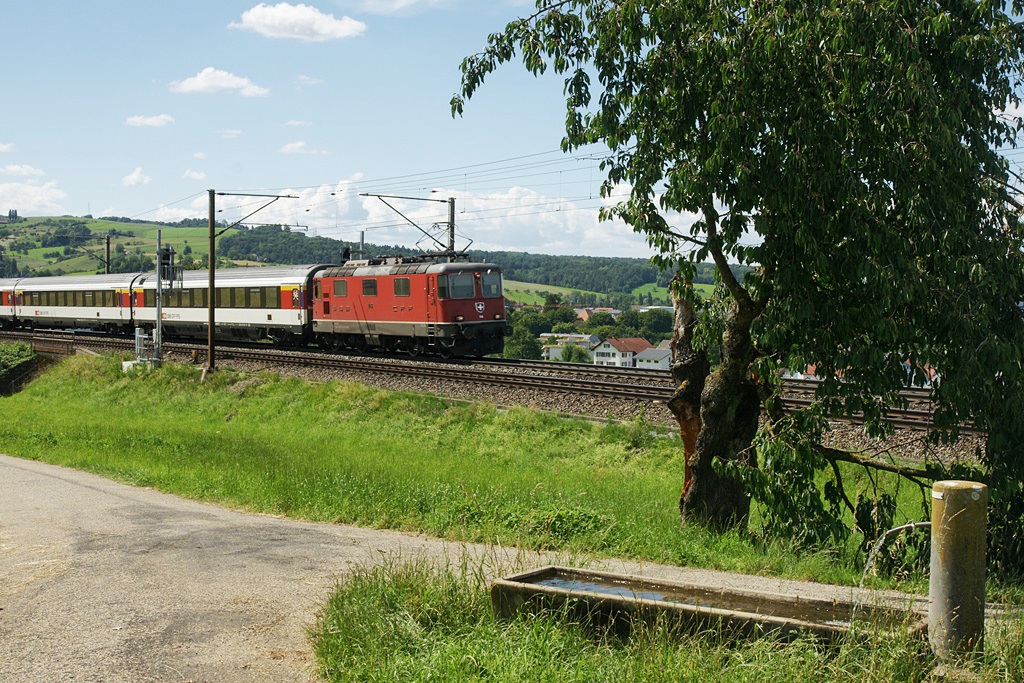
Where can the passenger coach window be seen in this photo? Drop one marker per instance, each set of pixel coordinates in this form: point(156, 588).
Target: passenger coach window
point(341, 287)
point(460, 286)
point(491, 284)
point(369, 287)
point(401, 286)
point(255, 297)
point(272, 297)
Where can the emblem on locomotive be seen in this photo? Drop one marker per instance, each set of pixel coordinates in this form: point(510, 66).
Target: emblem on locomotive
point(479, 306)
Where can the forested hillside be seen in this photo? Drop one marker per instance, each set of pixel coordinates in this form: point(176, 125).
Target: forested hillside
point(274, 244)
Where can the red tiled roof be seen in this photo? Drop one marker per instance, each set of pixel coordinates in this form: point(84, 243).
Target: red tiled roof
point(630, 344)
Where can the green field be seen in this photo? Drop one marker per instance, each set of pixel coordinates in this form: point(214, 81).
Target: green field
point(143, 238)
point(346, 453)
point(529, 293)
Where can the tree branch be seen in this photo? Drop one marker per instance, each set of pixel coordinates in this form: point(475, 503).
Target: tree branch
point(834, 455)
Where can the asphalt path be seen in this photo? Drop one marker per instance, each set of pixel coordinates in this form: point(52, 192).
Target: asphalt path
point(100, 581)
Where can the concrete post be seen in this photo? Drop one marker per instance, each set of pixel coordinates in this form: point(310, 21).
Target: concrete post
point(956, 613)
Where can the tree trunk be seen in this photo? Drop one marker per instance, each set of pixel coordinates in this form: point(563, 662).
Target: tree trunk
point(729, 411)
point(689, 372)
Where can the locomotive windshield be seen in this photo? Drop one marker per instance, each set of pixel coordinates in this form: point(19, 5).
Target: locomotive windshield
point(456, 286)
point(490, 283)
point(463, 285)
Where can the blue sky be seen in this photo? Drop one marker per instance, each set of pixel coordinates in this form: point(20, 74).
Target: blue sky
point(137, 108)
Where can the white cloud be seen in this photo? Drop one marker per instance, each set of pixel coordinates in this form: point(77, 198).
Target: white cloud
point(20, 169)
point(6, 146)
point(299, 147)
point(229, 133)
point(31, 198)
point(309, 80)
point(200, 155)
point(151, 121)
point(301, 22)
point(194, 175)
point(317, 208)
point(293, 122)
point(214, 80)
point(136, 177)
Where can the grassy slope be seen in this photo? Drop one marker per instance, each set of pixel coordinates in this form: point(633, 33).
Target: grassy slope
point(144, 238)
point(383, 459)
point(461, 471)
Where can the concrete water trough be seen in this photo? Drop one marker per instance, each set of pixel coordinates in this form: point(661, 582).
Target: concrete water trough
point(618, 600)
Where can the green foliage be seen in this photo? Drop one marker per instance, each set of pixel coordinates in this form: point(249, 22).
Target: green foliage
point(343, 452)
point(786, 485)
point(848, 150)
point(575, 354)
point(13, 355)
point(522, 344)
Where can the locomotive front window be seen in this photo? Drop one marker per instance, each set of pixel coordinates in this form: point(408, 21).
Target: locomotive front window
point(341, 287)
point(490, 283)
point(402, 286)
point(369, 287)
point(460, 286)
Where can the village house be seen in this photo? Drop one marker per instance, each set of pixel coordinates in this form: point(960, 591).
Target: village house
point(620, 353)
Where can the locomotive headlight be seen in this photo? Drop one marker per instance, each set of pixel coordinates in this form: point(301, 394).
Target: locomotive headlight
point(497, 316)
point(459, 318)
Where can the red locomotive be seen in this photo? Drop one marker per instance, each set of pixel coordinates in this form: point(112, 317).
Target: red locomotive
point(399, 304)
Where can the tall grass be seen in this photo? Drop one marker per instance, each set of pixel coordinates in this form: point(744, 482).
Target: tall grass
point(413, 622)
point(344, 452)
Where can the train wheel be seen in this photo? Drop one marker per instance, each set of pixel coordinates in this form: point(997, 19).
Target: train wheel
point(444, 351)
point(414, 347)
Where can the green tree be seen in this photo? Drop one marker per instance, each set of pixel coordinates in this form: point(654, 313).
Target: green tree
point(536, 323)
point(575, 354)
point(846, 151)
point(560, 314)
point(655, 324)
point(552, 300)
point(599, 319)
point(564, 328)
point(522, 344)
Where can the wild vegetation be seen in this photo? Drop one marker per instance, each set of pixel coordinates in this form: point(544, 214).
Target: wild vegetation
point(464, 472)
point(414, 622)
point(848, 153)
point(344, 452)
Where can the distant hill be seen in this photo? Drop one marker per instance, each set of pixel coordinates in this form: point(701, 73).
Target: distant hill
point(71, 245)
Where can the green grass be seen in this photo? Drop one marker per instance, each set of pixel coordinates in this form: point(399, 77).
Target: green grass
point(412, 622)
point(342, 452)
point(529, 293)
point(144, 238)
point(661, 293)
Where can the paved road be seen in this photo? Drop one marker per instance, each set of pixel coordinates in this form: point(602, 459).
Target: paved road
point(105, 582)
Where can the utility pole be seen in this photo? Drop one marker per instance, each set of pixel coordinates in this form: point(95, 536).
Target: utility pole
point(451, 229)
point(211, 363)
point(158, 333)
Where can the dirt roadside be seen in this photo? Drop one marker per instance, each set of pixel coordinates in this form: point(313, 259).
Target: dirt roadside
point(105, 582)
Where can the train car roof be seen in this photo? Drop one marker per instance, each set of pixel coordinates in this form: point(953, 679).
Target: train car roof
point(75, 282)
point(227, 277)
point(255, 276)
point(372, 269)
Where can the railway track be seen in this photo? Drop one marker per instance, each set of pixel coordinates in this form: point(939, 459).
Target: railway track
point(625, 384)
